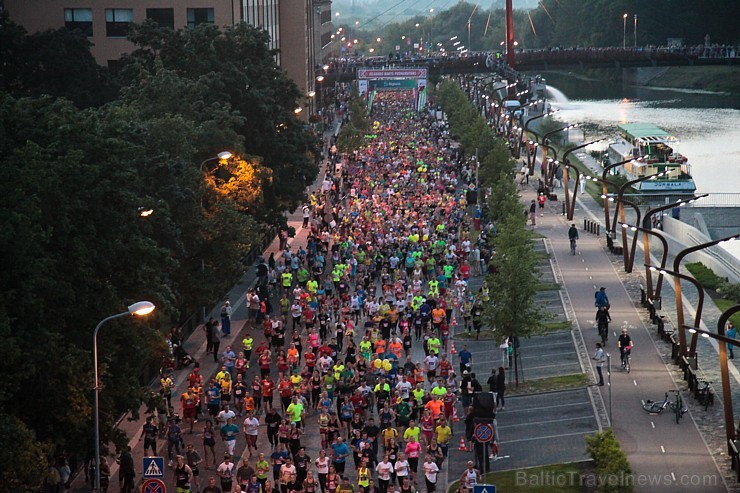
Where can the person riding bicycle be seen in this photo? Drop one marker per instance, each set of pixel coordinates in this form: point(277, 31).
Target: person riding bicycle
point(572, 232)
point(601, 299)
point(625, 345)
point(603, 319)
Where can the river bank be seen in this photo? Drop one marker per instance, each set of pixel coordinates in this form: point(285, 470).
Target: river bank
point(718, 80)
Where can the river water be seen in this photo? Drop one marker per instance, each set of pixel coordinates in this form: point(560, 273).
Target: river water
point(707, 124)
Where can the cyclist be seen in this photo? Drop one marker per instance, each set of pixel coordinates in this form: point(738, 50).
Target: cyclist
point(573, 236)
point(603, 319)
point(625, 345)
point(601, 299)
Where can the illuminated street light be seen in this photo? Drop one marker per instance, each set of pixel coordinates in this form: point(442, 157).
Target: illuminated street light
point(140, 309)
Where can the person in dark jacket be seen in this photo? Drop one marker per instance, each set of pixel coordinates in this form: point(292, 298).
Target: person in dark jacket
point(500, 387)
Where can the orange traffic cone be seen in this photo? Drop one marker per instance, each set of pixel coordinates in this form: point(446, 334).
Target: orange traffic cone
point(455, 418)
point(452, 348)
point(462, 447)
point(454, 320)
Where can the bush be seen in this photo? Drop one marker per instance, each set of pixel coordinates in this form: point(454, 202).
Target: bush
point(706, 277)
point(612, 467)
point(729, 291)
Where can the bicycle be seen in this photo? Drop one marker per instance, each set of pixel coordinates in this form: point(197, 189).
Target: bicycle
point(678, 407)
point(657, 407)
point(572, 246)
point(627, 358)
point(704, 393)
point(603, 332)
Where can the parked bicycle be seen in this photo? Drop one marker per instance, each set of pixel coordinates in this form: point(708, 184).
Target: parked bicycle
point(675, 404)
point(704, 393)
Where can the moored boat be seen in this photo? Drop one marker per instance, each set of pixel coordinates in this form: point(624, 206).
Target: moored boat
point(652, 150)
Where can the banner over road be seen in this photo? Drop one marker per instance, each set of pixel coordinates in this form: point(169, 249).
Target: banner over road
point(392, 73)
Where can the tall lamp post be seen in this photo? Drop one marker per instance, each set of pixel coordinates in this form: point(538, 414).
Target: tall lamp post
point(220, 157)
point(647, 226)
point(545, 143)
point(526, 129)
point(604, 190)
point(624, 32)
point(677, 288)
point(648, 273)
point(720, 336)
point(140, 308)
point(635, 44)
point(569, 208)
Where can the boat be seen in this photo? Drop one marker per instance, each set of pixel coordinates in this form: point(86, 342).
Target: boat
point(652, 150)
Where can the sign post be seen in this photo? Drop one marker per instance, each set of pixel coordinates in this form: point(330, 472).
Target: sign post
point(153, 467)
point(484, 488)
point(153, 485)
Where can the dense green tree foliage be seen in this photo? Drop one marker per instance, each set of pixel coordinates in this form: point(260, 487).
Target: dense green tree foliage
point(56, 63)
point(74, 176)
point(514, 275)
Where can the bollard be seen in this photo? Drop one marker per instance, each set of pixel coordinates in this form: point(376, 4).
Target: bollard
point(563, 208)
point(598, 229)
point(585, 225)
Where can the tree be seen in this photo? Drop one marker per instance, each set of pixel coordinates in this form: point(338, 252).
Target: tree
point(513, 283)
point(53, 62)
point(233, 70)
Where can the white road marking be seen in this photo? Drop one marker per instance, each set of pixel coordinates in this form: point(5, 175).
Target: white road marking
point(662, 449)
point(652, 423)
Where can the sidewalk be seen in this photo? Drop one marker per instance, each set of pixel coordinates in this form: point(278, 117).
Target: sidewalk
point(663, 457)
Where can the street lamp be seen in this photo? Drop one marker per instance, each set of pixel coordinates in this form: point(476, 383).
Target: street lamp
point(677, 286)
point(604, 190)
point(646, 247)
point(624, 32)
point(141, 309)
point(647, 225)
point(635, 44)
point(570, 208)
point(526, 129)
point(545, 140)
point(620, 209)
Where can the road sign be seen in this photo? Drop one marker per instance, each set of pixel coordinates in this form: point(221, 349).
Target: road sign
point(154, 485)
point(153, 467)
point(483, 433)
point(484, 488)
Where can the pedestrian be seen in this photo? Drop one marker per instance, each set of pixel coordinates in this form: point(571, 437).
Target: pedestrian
point(226, 318)
point(193, 459)
point(532, 213)
point(541, 199)
point(732, 334)
point(500, 387)
point(210, 327)
point(126, 472)
point(599, 358)
point(183, 475)
point(583, 184)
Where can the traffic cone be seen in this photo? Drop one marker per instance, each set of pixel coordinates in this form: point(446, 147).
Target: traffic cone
point(452, 348)
point(455, 419)
point(454, 320)
point(462, 447)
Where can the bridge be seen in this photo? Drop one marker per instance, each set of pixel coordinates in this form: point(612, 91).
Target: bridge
point(551, 59)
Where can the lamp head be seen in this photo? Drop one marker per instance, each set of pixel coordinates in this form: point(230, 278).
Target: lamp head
point(224, 155)
point(141, 308)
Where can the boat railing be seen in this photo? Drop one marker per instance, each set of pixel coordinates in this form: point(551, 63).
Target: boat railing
point(721, 199)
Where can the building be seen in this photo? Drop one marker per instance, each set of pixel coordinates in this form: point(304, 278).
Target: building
point(300, 29)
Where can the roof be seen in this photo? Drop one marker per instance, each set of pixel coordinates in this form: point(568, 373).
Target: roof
point(645, 131)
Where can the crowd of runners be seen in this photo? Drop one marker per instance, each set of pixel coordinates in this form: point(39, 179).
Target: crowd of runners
point(349, 334)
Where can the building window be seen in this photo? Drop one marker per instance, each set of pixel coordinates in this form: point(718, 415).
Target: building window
point(200, 16)
point(163, 17)
point(117, 22)
point(80, 19)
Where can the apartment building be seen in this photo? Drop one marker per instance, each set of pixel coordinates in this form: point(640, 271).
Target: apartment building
point(300, 29)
